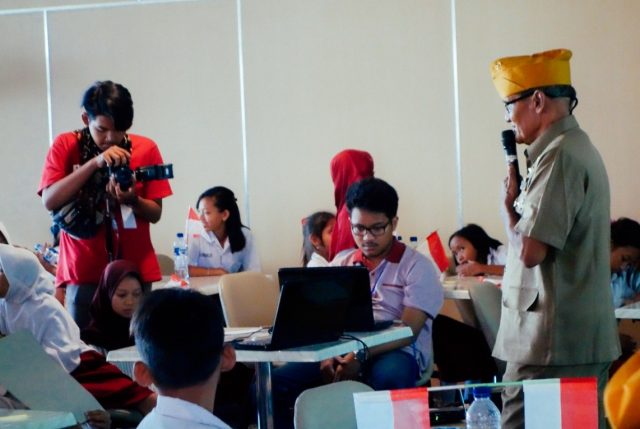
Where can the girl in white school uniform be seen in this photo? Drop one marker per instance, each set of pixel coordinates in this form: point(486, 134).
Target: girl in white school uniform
point(476, 253)
point(227, 246)
point(316, 239)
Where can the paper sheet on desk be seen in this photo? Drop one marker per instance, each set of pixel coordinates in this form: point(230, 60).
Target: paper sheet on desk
point(38, 381)
point(231, 334)
point(455, 282)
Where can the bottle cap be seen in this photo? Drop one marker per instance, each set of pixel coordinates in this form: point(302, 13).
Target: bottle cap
point(481, 392)
point(180, 234)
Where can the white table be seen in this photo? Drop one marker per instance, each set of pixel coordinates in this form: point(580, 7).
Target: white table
point(629, 311)
point(458, 289)
point(124, 359)
point(28, 419)
point(207, 285)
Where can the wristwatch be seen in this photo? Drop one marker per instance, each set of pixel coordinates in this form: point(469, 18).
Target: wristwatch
point(361, 356)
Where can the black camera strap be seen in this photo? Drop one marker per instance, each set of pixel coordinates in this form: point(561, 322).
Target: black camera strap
point(108, 233)
point(82, 216)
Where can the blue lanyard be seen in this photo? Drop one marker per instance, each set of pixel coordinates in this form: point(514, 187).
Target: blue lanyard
point(380, 270)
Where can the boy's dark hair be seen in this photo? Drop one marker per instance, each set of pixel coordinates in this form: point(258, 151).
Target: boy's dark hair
point(479, 238)
point(112, 100)
point(625, 232)
point(179, 336)
point(374, 195)
point(313, 225)
point(225, 200)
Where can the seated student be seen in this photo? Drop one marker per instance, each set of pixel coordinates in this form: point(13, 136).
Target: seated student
point(179, 336)
point(27, 303)
point(475, 253)
point(625, 254)
point(116, 299)
point(228, 246)
point(316, 239)
point(404, 286)
point(118, 295)
point(625, 276)
point(372, 204)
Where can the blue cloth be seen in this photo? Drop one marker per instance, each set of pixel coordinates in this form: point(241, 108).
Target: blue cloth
point(625, 286)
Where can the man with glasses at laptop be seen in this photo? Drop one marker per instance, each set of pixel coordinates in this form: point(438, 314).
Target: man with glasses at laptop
point(404, 286)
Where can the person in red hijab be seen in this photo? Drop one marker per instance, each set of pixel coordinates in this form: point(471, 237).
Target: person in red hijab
point(347, 167)
point(116, 299)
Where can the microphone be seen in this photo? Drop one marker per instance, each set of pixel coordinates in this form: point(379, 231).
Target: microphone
point(510, 152)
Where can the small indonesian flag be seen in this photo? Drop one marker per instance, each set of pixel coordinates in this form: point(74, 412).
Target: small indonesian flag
point(437, 251)
point(175, 281)
point(565, 403)
point(194, 227)
point(393, 409)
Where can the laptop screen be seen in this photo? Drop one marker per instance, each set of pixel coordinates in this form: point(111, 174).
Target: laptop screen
point(354, 281)
point(309, 313)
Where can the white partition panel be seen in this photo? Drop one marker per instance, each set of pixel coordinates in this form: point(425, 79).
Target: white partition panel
point(319, 76)
point(325, 76)
point(180, 62)
point(603, 37)
point(23, 121)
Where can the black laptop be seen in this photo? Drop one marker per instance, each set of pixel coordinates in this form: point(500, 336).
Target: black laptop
point(353, 280)
point(307, 313)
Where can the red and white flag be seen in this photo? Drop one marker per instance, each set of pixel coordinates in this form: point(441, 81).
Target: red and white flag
point(393, 409)
point(437, 251)
point(194, 227)
point(565, 403)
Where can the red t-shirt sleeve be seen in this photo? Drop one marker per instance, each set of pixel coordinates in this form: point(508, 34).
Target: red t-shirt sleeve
point(62, 156)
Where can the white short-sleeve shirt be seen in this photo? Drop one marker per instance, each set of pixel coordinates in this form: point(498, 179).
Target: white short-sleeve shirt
point(209, 253)
point(172, 413)
point(405, 278)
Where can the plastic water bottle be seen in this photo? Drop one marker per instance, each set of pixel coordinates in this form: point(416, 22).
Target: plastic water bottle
point(483, 413)
point(181, 263)
point(413, 242)
point(49, 254)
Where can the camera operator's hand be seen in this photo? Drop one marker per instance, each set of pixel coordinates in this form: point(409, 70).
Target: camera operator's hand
point(113, 156)
point(128, 196)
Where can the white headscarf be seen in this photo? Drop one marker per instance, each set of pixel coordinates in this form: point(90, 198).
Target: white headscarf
point(30, 305)
point(3, 230)
point(26, 276)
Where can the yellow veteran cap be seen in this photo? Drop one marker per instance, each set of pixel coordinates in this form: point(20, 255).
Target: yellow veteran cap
point(622, 395)
point(512, 75)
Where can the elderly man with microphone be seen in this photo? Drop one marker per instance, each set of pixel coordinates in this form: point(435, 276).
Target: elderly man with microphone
point(557, 314)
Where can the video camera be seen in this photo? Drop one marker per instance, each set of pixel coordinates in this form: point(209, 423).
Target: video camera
point(124, 175)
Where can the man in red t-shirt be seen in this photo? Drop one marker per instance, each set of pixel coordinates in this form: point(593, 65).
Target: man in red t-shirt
point(74, 165)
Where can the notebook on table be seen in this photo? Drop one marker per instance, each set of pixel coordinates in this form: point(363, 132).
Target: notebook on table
point(306, 314)
point(353, 280)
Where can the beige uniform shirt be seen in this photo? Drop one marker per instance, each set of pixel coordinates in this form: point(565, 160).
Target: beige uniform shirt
point(560, 312)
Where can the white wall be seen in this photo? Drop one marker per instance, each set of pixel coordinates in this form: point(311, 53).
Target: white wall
point(318, 77)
